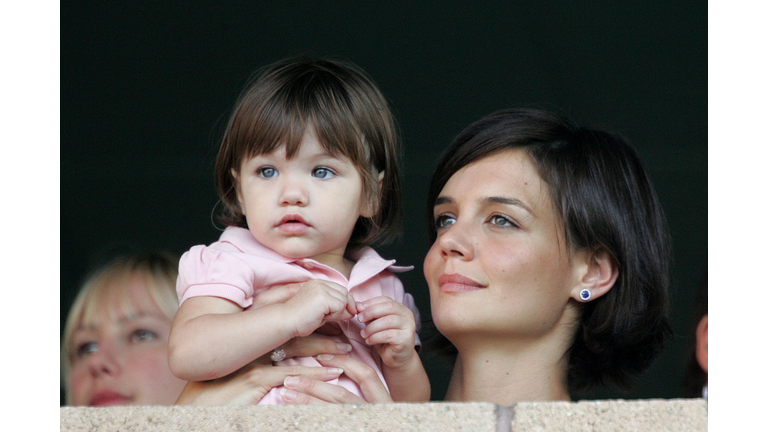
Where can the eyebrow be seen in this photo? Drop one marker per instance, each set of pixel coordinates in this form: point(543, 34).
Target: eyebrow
point(140, 315)
point(124, 320)
point(490, 200)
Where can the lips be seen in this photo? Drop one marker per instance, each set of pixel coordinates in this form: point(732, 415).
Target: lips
point(292, 224)
point(457, 283)
point(109, 397)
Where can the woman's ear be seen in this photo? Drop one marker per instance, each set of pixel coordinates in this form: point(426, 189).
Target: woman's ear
point(236, 185)
point(599, 276)
point(371, 203)
point(702, 343)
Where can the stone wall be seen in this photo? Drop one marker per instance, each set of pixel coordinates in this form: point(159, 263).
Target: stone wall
point(596, 416)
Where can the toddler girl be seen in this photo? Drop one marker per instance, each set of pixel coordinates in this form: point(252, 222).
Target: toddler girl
point(308, 175)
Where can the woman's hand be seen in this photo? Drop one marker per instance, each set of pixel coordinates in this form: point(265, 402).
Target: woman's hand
point(248, 385)
point(307, 390)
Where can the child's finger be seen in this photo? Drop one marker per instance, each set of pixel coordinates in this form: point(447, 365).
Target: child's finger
point(381, 309)
point(396, 338)
point(363, 305)
point(351, 304)
point(387, 322)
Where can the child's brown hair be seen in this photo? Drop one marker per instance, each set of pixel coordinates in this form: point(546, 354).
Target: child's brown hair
point(349, 116)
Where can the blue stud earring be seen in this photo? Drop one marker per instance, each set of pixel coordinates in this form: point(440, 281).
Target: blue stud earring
point(585, 294)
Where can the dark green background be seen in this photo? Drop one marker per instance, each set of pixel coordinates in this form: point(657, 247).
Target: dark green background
point(146, 87)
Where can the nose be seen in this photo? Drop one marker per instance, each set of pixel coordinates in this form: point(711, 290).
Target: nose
point(104, 361)
point(456, 242)
point(293, 192)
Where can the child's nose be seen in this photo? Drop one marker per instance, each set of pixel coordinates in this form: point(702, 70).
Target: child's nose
point(294, 193)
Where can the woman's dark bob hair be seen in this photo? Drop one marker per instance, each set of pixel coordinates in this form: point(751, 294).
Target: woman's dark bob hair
point(605, 199)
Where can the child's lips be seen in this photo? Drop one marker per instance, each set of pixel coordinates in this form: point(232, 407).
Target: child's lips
point(293, 224)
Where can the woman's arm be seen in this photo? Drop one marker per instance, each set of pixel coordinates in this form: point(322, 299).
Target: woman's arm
point(248, 385)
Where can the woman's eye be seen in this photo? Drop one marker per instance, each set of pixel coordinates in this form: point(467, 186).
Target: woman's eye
point(142, 335)
point(86, 348)
point(266, 172)
point(443, 221)
point(504, 221)
point(323, 173)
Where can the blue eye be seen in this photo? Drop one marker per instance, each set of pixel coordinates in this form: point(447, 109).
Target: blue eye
point(266, 172)
point(443, 221)
point(86, 348)
point(142, 335)
point(323, 173)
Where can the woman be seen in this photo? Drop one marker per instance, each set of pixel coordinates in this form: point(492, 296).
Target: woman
point(115, 343)
point(549, 269)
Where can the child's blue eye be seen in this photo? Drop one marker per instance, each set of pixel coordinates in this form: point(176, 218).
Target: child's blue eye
point(266, 172)
point(86, 348)
point(443, 221)
point(142, 335)
point(323, 173)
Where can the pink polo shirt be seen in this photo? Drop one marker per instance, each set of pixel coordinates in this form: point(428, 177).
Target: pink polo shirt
point(238, 268)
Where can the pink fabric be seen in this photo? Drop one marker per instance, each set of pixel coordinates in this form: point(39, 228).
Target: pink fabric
point(238, 268)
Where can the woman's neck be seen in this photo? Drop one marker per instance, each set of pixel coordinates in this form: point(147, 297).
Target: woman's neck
point(509, 373)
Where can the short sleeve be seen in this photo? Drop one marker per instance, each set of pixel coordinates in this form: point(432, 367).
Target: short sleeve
point(207, 271)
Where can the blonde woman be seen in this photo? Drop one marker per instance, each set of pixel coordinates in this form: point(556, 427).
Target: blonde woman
point(115, 343)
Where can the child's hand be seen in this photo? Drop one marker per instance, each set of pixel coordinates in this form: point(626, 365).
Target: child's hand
point(319, 302)
point(391, 329)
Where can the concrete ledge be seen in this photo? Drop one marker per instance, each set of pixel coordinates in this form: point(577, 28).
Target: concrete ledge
point(611, 415)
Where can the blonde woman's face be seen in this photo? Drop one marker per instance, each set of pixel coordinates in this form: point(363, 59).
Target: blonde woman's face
point(121, 355)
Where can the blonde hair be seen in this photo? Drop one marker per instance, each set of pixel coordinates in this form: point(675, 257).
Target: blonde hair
point(158, 271)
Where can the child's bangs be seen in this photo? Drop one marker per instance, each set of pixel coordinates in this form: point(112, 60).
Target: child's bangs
point(340, 137)
point(324, 108)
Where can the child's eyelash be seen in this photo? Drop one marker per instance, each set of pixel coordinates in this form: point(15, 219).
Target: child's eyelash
point(266, 171)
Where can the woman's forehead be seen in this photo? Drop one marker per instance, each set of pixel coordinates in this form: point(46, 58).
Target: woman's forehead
point(118, 299)
point(504, 170)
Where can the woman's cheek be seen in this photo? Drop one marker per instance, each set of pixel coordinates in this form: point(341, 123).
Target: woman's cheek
point(78, 384)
